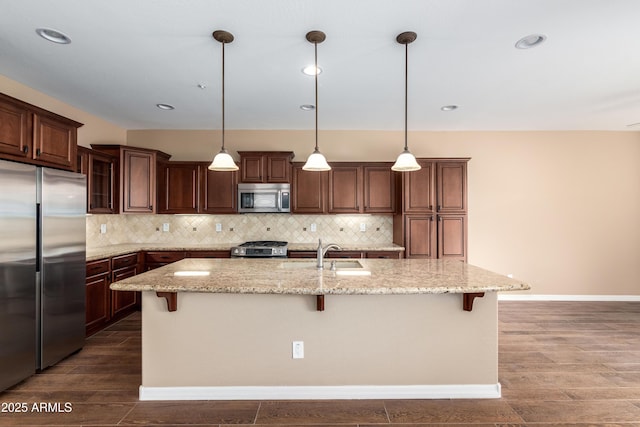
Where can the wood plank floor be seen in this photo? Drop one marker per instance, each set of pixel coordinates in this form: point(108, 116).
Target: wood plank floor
point(561, 364)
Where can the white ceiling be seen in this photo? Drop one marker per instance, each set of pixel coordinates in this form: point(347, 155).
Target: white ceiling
point(127, 56)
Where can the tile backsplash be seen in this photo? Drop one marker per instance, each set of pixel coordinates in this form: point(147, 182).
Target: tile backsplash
point(202, 229)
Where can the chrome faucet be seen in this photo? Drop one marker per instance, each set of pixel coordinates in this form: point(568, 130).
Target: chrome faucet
point(321, 252)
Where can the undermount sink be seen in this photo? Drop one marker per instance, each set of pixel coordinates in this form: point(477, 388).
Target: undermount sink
point(342, 267)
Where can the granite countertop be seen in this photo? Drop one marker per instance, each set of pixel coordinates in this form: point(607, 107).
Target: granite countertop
point(269, 276)
point(100, 252)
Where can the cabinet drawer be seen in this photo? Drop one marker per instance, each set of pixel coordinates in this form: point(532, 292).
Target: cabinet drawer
point(164, 256)
point(302, 254)
point(97, 267)
point(209, 254)
point(124, 261)
point(383, 254)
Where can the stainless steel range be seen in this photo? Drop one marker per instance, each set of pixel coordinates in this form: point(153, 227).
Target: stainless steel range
point(260, 248)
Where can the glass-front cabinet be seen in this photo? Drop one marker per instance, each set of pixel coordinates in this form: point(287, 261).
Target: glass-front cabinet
point(100, 169)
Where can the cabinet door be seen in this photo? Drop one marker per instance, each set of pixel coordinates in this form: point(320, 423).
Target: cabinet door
point(452, 236)
point(219, 192)
point(309, 191)
point(101, 183)
point(54, 142)
point(345, 189)
point(343, 254)
point(420, 236)
point(419, 193)
point(379, 189)
point(452, 189)
point(178, 188)
point(278, 168)
point(138, 180)
point(251, 168)
point(97, 302)
point(15, 131)
point(122, 301)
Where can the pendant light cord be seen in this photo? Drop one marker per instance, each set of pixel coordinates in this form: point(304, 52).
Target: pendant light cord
point(316, 86)
point(406, 85)
point(223, 43)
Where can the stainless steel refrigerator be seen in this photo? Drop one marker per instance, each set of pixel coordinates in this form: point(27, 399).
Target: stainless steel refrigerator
point(42, 268)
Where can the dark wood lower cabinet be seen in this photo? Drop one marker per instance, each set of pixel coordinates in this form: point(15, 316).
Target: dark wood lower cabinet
point(104, 306)
point(97, 303)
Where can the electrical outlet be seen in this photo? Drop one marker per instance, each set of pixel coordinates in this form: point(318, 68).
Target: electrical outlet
point(218, 227)
point(313, 227)
point(363, 226)
point(103, 228)
point(165, 226)
point(297, 350)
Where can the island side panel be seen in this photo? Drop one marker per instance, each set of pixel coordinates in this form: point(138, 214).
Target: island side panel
point(246, 340)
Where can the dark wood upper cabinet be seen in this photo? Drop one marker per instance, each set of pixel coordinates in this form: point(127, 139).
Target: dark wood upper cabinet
point(452, 187)
point(309, 190)
point(219, 191)
point(30, 134)
point(419, 193)
point(265, 166)
point(190, 187)
point(178, 190)
point(101, 170)
point(345, 188)
point(137, 177)
point(379, 188)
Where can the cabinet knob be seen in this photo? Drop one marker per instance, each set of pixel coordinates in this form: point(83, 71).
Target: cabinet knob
point(25, 149)
point(37, 152)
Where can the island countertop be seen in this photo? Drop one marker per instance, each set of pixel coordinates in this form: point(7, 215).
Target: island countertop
point(299, 277)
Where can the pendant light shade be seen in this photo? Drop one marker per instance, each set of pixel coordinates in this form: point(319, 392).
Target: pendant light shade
point(406, 162)
point(223, 160)
point(316, 161)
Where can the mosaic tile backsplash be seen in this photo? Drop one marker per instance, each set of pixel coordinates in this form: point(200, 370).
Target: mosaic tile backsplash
point(202, 229)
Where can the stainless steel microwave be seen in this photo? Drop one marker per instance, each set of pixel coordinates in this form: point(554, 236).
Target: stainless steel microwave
point(261, 198)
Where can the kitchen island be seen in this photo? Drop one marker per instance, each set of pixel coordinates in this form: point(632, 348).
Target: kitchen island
point(406, 328)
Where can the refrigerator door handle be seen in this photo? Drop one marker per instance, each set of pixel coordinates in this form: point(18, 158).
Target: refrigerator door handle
point(38, 236)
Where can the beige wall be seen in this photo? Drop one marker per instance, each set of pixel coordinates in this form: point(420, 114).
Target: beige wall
point(95, 129)
point(559, 210)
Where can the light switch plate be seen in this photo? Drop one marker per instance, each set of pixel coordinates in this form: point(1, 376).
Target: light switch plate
point(218, 227)
point(165, 226)
point(363, 226)
point(103, 228)
point(313, 227)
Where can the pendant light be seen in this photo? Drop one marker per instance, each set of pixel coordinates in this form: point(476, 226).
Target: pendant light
point(223, 160)
point(406, 162)
point(316, 161)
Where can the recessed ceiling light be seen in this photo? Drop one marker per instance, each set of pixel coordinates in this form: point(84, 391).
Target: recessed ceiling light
point(530, 41)
point(311, 70)
point(449, 107)
point(165, 106)
point(53, 35)
point(307, 107)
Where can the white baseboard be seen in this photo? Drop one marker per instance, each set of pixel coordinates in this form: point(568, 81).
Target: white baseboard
point(463, 391)
point(532, 297)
